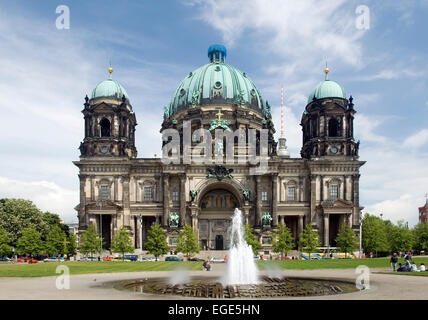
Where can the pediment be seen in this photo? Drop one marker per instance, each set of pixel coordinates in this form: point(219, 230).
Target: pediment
point(103, 205)
point(338, 203)
point(103, 107)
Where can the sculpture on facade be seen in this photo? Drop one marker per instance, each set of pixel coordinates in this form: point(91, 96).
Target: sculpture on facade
point(219, 172)
point(246, 193)
point(174, 219)
point(266, 219)
point(193, 194)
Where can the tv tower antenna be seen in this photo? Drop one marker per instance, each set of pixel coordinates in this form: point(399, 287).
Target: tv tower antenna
point(282, 151)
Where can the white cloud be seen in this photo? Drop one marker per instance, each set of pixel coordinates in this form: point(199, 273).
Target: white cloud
point(393, 74)
point(417, 140)
point(365, 127)
point(46, 195)
point(45, 75)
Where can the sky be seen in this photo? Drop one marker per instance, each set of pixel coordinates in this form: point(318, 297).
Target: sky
point(376, 49)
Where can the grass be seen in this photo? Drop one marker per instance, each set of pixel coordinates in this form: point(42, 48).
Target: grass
point(47, 269)
point(79, 267)
point(333, 263)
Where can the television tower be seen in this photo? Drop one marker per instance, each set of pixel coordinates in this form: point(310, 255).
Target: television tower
point(282, 151)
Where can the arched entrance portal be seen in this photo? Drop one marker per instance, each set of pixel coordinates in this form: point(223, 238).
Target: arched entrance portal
point(216, 210)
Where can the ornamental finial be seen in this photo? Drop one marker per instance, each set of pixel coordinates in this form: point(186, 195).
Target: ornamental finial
point(326, 71)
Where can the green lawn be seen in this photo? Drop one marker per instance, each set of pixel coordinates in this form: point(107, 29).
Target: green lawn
point(79, 267)
point(334, 263)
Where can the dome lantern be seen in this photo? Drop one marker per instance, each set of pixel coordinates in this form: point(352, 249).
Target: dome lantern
point(217, 53)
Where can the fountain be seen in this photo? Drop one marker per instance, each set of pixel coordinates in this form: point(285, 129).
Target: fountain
point(241, 268)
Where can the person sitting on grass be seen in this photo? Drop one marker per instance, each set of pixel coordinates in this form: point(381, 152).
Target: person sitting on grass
point(414, 267)
point(402, 268)
point(422, 267)
point(408, 264)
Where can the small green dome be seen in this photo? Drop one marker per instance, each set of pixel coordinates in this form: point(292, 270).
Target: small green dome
point(216, 82)
point(109, 88)
point(327, 89)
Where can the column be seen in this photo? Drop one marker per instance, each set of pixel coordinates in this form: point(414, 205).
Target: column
point(195, 214)
point(165, 199)
point(299, 225)
point(322, 191)
point(326, 230)
point(116, 189)
point(92, 188)
point(356, 197)
point(246, 212)
point(82, 209)
point(182, 199)
point(313, 198)
point(209, 234)
point(126, 202)
point(258, 221)
point(274, 199)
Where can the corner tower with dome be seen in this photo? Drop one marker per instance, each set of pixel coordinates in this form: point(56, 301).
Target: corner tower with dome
point(118, 189)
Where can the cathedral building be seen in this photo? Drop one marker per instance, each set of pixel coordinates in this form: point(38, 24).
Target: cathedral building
point(119, 189)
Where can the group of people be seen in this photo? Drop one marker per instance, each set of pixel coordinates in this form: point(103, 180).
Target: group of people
point(408, 266)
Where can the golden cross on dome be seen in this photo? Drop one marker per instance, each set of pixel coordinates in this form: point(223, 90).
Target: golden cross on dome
point(219, 114)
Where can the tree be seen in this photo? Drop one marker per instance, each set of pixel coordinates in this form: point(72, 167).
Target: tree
point(55, 241)
point(402, 238)
point(71, 243)
point(283, 241)
point(91, 242)
point(374, 237)
point(122, 243)
point(346, 239)
point(420, 234)
point(30, 242)
point(156, 241)
point(251, 239)
point(5, 248)
point(17, 215)
point(188, 241)
point(309, 239)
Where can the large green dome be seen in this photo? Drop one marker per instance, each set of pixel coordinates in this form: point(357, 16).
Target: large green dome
point(109, 88)
point(216, 83)
point(327, 89)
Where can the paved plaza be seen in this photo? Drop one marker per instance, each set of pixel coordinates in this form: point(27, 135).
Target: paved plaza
point(98, 286)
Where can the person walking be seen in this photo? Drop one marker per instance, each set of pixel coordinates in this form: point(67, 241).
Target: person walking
point(394, 260)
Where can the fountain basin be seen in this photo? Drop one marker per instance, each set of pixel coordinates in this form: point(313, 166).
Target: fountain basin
point(204, 287)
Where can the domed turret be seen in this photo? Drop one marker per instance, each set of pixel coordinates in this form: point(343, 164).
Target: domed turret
point(327, 89)
point(109, 122)
point(327, 122)
point(109, 88)
point(216, 83)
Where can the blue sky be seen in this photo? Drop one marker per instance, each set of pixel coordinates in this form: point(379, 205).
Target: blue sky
point(153, 45)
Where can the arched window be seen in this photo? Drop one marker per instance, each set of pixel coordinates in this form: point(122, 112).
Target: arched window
point(333, 128)
point(105, 127)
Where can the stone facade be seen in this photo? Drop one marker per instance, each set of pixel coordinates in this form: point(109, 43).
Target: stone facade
point(118, 189)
